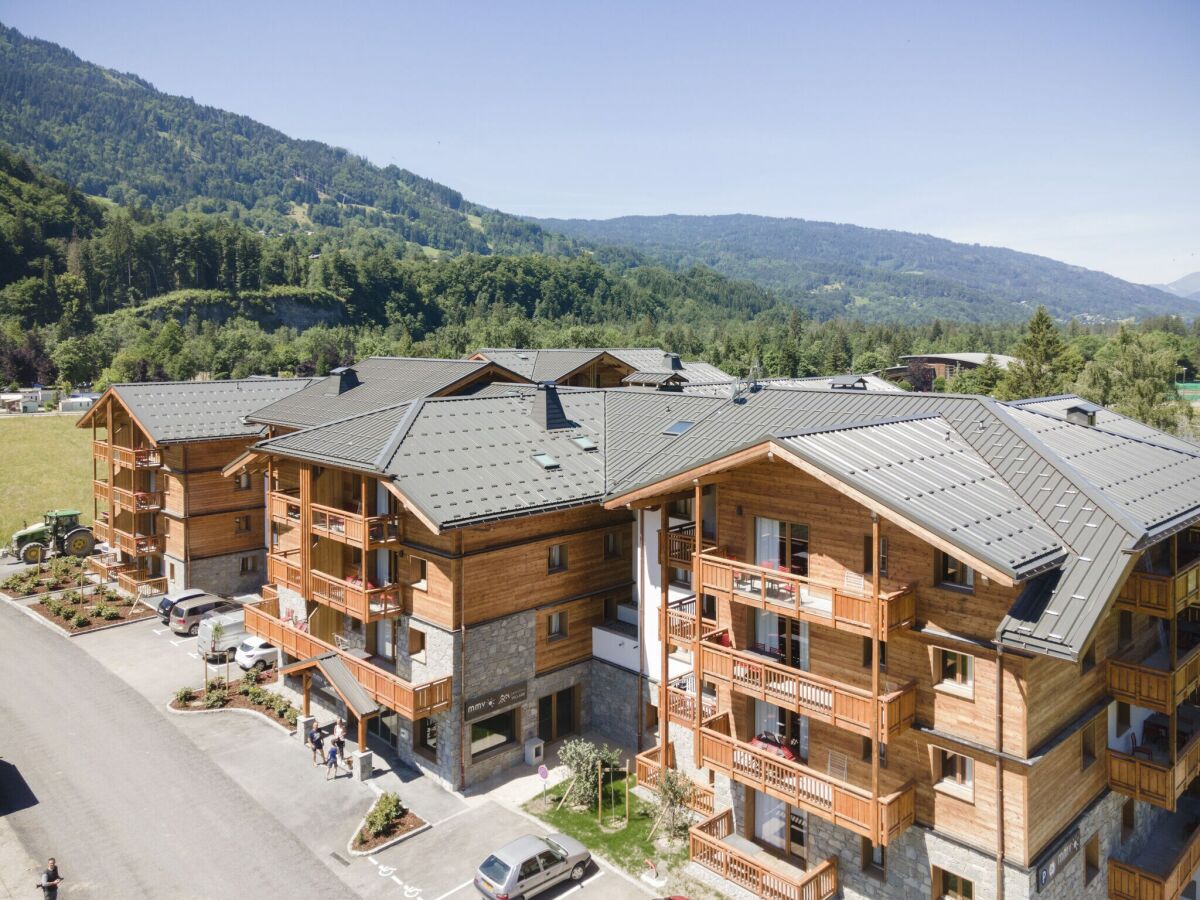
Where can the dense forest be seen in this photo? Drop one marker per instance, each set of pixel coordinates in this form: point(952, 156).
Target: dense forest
point(870, 273)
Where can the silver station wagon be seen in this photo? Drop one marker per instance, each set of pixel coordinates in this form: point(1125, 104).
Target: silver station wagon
point(530, 865)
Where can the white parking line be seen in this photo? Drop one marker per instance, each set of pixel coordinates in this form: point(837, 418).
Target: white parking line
point(455, 890)
point(454, 815)
point(579, 887)
point(159, 630)
point(180, 641)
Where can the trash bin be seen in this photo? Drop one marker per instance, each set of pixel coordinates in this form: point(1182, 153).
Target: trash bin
point(535, 750)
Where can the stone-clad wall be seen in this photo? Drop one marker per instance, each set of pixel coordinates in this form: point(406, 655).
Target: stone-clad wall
point(223, 574)
point(611, 698)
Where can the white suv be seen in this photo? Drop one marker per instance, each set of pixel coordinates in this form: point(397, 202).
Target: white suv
point(255, 653)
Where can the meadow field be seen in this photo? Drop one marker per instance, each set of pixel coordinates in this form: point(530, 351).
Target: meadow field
point(45, 463)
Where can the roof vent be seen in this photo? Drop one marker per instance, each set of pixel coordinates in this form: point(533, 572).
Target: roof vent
point(848, 383)
point(340, 380)
point(1083, 413)
point(546, 461)
point(547, 408)
point(672, 362)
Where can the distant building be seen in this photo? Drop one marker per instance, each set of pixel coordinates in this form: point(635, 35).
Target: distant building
point(81, 402)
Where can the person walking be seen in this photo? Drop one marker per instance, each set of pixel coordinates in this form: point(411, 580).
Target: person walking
point(331, 763)
point(339, 740)
point(318, 746)
point(50, 880)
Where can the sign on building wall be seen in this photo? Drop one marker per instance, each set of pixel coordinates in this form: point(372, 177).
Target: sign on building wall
point(1054, 861)
point(495, 701)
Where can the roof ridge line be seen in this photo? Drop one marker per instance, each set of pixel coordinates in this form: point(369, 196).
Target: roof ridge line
point(1116, 434)
point(399, 433)
point(825, 429)
point(310, 428)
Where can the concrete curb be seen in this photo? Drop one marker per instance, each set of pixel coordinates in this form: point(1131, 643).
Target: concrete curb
point(24, 604)
point(246, 712)
point(36, 597)
point(392, 843)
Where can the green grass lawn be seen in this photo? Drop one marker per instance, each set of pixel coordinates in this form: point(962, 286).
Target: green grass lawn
point(629, 847)
point(45, 463)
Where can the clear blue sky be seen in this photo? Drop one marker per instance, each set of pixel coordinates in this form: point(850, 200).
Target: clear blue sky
point(1068, 129)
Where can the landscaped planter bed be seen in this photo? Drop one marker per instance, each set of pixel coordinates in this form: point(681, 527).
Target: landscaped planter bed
point(78, 612)
point(387, 822)
point(56, 575)
point(244, 693)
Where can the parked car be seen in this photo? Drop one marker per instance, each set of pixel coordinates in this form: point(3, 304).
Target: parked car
point(233, 632)
point(772, 744)
point(530, 865)
point(169, 600)
point(186, 615)
point(255, 653)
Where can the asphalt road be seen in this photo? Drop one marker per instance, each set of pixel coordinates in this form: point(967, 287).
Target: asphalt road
point(94, 775)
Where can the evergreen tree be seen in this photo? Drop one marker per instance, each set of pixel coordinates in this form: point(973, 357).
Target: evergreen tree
point(1137, 380)
point(1040, 369)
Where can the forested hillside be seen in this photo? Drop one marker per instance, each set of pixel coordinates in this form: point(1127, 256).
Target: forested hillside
point(113, 135)
point(878, 275)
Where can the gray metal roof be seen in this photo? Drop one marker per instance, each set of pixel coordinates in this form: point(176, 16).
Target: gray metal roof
point(553, 364)
point(1058, 405)
point(360, 702)
point(174, 411)
point(971, 359)
point(653, 378)
point(925, 472)
point(722, 388)
point(382, 381)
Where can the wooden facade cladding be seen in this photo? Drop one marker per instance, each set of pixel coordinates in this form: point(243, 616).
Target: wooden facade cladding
point(574, 643)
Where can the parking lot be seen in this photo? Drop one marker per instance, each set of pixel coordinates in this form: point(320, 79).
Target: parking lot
point(276, 770)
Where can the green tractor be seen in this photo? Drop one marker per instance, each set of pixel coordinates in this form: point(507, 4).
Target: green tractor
point(58, 534)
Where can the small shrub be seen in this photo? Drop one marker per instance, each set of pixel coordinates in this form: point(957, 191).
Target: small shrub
point(215, 699)
point(257, 695)
point(292, 716)
point(387, 811)
point(81, 621)
point(184, 695)
point(247, 681)
point(215, 684)
point(53, 606)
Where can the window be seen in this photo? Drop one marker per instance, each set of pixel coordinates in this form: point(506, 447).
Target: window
point(612, 545)
point(583, 442)
point(867, 654)
point(1087, 743)
point(1091, 859)
point(874, 859)
point(681, 508)
point(677, 428)
point(1128, 819)
point(869, 556)
point(241, 524)
point(952, 573)
point(556, 558)
point(955, 672)
point(529, 869)
point(556, 625)
point(781, 545)
point(866, 752)
point(171, 571)
point(242, 482)
point(416, 643)
point(249, 565)
point(681, 577)
point(1122, 718)
point(494, 733)
point(955, 773)
point(420, 573)
point(427, 736)
point(1124, 629)
point(948, 886)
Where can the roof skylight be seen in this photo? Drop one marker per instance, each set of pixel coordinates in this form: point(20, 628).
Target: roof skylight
point(545, 460)
point(678, 428)
point(583, 442)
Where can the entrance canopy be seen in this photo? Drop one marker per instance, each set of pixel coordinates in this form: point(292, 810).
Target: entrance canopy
point(341, 679)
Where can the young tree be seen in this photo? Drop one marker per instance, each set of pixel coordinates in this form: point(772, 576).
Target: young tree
point(1040, 369)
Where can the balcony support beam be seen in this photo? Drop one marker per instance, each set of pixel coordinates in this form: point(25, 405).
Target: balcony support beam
point(697, 518)
point(664, 715)
point(875, 824)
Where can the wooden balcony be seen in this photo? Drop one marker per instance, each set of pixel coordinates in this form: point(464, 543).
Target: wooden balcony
point(284, 507)
point(1164, 868)
point(1153, 779)
point(681, 701)
point(808, 599)
point(141, 584)
point(128, 457)
point(760, 676)
point(106, 565)
point(136, 544)
point(351, 528)
point(138, 501)
point(363, 602)
point(409, 700)
point(1150, 682)
point(101, 530)
point(817, 792)
point(283, 569)
point(101, 491)
point(649, 764)
point(681, 545)
point(682, 627)
point(1160, 595)
point(708, 845)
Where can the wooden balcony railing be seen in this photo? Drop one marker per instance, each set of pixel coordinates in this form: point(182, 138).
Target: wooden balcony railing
point(100, 449)
point(1130, 881)
point(285, 507)
point(648, 763)
point(101, 531)
point(805, 598)
point(352, 528)
point(706, 846)
point(811, 695)
point(681, 545)
point(101, 490)
point(1152, 686)
point(821, 794)
point(136, 544)
point(106, 565)
point(283, 569)
point(138, 501)
point(140, 584)
point(1154, 782)
point(360, 601)
point(1161, 595)
point(130, 458)
point(409, 700)
point(681, 621)
point(681, 701)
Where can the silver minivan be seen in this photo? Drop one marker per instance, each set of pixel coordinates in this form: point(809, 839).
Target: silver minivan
point(233, 632)
point(530, 865)
point(186, 615)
